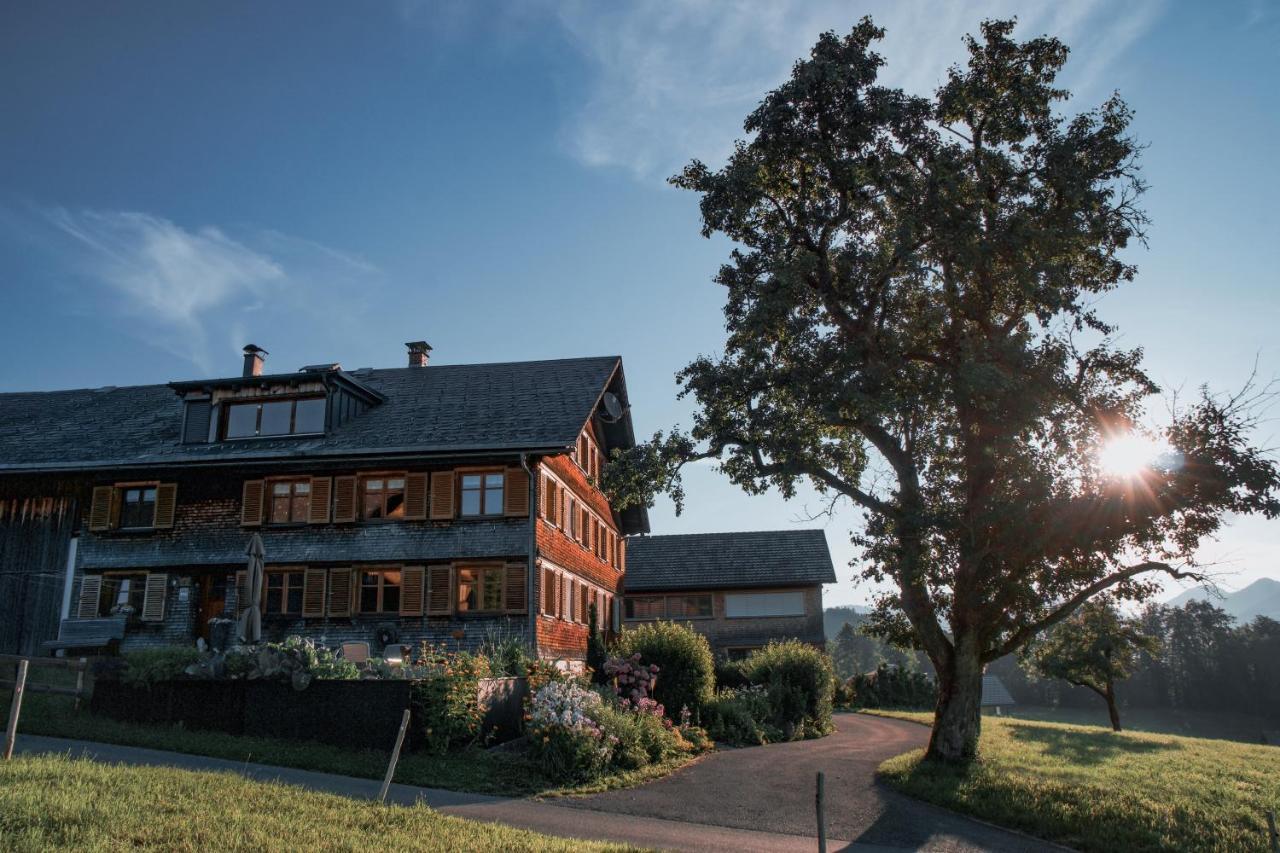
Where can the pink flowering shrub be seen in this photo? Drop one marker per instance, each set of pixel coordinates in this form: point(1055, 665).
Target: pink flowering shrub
point(632, 679)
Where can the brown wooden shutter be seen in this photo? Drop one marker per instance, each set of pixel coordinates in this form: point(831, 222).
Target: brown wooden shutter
point(415, 497)
point(251, 501)
point(313, 592)
point(166, 505)
point(242, 592)
point(441, 495)
point(344, 499)
point(153, 596)
point(340, 592)
point(321, 499)
point(622, 555)
point(584, 594)
point(516, 590)
point(440, 590)
point(90, 592)
point(412, 581)
point(516, 492)
point(100, 509)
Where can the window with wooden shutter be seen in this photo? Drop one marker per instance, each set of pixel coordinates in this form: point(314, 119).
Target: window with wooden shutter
point(441, 495)
point(415, 496)
point(584, 602)
point(251, 500)
point(412, 590)
point(559, 587)
point(439, 590)
point(339, 592)
point(321, 497)
point(313, 583)
point(100, 508)
point(166, 504)
point(195, 427)
point(242, 592)
point(344, 499)
point(548, 592)
point(90, 592)
point(153, 598)
point(517, 595)
point(517, 492)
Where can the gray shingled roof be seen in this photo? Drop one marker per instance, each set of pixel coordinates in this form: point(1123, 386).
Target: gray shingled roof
point(994, 692)
point(307, 545)
point(530, 405)
point(728, 560)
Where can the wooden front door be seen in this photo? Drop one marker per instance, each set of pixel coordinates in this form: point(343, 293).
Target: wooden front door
point(211, 598)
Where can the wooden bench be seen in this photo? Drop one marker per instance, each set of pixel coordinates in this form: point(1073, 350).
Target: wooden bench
point(87, 634)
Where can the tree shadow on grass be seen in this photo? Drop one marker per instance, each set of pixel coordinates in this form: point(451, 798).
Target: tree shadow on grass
point(1085, 748)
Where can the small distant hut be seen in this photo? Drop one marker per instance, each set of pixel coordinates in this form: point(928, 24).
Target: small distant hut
point(995, 694)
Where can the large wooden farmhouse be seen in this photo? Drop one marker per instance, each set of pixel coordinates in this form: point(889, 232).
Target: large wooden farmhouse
point(446, 503)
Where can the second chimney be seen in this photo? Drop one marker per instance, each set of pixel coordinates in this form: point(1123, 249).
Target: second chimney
point(254, 356)
point(419, 353)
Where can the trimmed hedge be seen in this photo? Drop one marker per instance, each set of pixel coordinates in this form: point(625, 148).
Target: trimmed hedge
point(686, 668)
point(799, 680)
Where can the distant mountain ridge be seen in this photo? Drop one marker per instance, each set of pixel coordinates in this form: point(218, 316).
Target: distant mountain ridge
point(1260, 598)
point(833, 618)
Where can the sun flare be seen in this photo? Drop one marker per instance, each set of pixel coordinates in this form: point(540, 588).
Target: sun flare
point(1130, 454)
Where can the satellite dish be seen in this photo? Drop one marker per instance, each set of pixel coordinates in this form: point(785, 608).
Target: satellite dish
point(612, 406)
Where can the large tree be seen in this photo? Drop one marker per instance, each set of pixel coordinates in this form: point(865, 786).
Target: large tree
point(1095, 647)
point(911, 326)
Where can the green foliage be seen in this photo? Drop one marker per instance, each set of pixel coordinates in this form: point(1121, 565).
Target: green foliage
point(318, 661)
point(597, 654)
point(639, 738)
point(686, 668)
point(844, 694)
point(147, 666)
point(1095, 647)
point(894, 687)
point(741, 716)
point(799, 680)
point(570, 755)
point(1098, 790)
point(730, 673)
point(445, 698)
point(905, 297)
point(508, 654)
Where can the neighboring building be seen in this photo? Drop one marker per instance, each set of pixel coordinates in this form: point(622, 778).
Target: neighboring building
point(391, 502)
point(740, 590)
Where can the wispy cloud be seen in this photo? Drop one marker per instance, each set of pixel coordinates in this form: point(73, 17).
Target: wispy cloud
point(180, 286)
point(675, 78)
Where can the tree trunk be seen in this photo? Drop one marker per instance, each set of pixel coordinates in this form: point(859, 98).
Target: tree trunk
point(957, 721)
point(1110, 696)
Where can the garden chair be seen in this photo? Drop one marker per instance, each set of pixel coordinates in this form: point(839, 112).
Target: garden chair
point(355, 652)
point(394, 654)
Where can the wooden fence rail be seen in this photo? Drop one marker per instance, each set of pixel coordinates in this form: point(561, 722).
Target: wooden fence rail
point(79, 665)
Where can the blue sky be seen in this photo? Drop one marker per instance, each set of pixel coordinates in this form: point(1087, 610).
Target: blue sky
point(330, 180)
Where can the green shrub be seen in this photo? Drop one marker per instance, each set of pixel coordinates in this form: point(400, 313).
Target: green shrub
point(570, 755)
point(741, 716)
point(445, 698)
point(508, 654)
point(894, 687)
point(318, 661)
point(798, 680)
point(145, 667)
point(844, 693)
point(686, 669)
point(730, 674)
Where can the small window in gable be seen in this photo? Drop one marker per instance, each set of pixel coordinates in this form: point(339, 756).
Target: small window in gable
point(302, 416)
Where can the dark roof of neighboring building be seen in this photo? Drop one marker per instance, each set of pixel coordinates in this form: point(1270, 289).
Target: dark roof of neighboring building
point(762, 558)
point(994, 692)
point(440, 409)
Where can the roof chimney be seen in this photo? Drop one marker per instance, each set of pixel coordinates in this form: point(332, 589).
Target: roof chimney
point(419, 352)
point(253, 357)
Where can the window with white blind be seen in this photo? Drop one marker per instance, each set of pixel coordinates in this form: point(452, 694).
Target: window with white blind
point(746, 605)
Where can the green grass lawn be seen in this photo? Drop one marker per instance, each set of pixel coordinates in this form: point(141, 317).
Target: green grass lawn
point(476, 770)
point(52, 802)
point(1245, 728)
point(1095, 789)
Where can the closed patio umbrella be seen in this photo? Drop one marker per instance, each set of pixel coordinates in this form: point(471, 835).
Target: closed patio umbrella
point(251, 618)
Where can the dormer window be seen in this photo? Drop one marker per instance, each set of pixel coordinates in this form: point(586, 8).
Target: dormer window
point(297, 416)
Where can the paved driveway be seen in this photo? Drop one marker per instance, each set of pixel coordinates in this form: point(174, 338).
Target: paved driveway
point(758, 799)
point(771, 788)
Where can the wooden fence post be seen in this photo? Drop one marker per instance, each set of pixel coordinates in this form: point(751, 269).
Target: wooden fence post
point(15, 708)
point(820, 803)
point(1273, 832)
point(395, 757)
point(84, 664)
